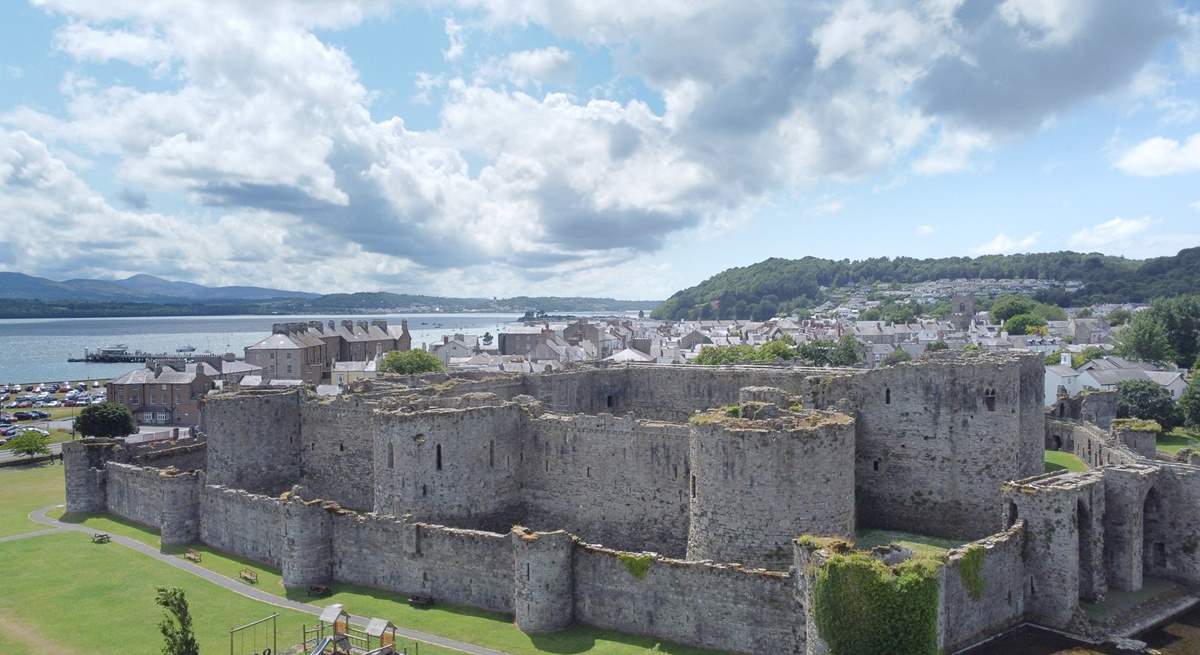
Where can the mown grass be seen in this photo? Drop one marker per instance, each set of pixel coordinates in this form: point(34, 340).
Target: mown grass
point(921, 545)
point(1176, 440)
point(1057, 461)
point(24, 489)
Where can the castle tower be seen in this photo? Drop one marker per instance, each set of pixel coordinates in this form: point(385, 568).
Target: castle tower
point(83, 462)
point(544, 593)
point(253, 440)
point(759, 483)
point(180, 522)
point(307, 543)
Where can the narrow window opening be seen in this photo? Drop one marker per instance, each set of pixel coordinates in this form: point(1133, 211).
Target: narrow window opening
point(887, 396)
point(391, 456)
point(341, 446)
point(989, 399)
point(424, 490)
point(526, 570)
point(438, 457)
point(693, 486)
point(547, 463)
point(492, 453)
point(610, 401)
point(589, 471)
point(676, 472)
point(875, 465)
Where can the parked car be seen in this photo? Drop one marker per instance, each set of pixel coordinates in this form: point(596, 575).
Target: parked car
point(39, 415)
point(5, 417)
point(40, 431)
point(23, 416)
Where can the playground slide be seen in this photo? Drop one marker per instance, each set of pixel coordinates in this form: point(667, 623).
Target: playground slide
point(324, 643)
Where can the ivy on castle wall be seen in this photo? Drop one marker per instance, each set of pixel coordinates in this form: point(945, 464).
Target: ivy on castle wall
point(637, 565)
point(970, 570)
point(863, 607)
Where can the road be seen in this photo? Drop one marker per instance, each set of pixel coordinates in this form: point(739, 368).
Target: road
point(55, 526)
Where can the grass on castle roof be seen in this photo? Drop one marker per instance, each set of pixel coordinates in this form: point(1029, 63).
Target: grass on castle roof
point(24, 489)
point(922, 546)
point(1057, 460)
point(1176, 440)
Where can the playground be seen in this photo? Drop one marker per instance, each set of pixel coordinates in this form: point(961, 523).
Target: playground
point(44, 573)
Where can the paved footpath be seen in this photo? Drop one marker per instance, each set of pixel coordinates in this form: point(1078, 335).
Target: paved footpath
point(39, 516)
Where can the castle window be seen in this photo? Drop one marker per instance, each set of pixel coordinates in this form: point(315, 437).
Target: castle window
point(611, 401)
point(492, 453)
point(875, 465)
point(341, 446)
point(693, 486)
point(989, 399)
point(391, 457)
point(589, 471)
point(887, 396)
point(438, 457)
point(424, 490)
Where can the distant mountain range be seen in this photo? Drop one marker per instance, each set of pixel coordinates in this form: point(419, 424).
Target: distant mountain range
point(139, 288)
point(26, 296)
point(775, 286)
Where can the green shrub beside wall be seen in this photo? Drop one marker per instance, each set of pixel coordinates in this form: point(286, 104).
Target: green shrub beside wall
point(970, 569)
point(863, 607)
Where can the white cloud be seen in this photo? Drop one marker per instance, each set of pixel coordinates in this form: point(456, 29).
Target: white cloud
point(1161, 156)
point(454, 32)
point(952, 152)
point(925, 230)
point(1130, 237)
point(1002, 244)
point(1117, 231)
point(530, 68)
point(1195, 205)
point(826, 208)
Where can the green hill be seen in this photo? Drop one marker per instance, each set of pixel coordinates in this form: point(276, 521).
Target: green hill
point(782, 284)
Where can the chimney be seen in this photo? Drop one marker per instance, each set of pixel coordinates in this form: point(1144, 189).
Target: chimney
point(380, 323)
point(229, 357)
point(1065, 359)
point(316, 325)
point(348, 324)
point(279, 328)
point(332, 326)
point(362, 325)
point(404, 326)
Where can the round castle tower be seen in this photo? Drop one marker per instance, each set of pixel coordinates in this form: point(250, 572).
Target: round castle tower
point(180, 521)
point(307, 543)
point(759, 483)
point(544, 596)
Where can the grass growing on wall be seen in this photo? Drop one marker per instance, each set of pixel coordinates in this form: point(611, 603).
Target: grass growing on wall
point(1056, 460)
point(637, 565)
point(863, 607)
point(971, 570)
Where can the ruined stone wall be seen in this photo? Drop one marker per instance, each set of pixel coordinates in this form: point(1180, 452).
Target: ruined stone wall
point(1090, 444)
point(241, 523)
point(936, 440)
point(337, 451)
point(697, 603)
point(616, 481)
point(1172, 524)
point(451, 466)
point(254, 440)
point(757, 485)
point(183, 454)
point(462, 567)
point(135, 493)
point(590, 391)
point(1001, 600)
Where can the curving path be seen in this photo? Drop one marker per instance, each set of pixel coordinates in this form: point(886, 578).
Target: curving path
point(39, 516)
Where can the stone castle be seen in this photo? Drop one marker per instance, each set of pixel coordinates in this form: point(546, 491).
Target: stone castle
point(667, 500)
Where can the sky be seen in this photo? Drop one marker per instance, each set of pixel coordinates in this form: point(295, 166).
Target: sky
point(619, 148)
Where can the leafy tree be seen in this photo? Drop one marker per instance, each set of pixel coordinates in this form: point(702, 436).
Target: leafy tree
point(409, 362)
point(871, 314)
point(847, 352)
point(487, 338)
point(778, 349)
point(941, 310)
point(107, 420)
point(1008, 306)
point(936, 346)
point(1145, 338)
point(1180, 319)
point(30, 444)
point(1086, 312)
point(896, 356)
point(1189, 403)
point(176, 624)
point(1050, 312)
point(1148, 400)
point(1025, 324)
point(1118, 316)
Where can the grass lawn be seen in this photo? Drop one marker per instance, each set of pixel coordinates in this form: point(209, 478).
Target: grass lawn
point(921, 545)
point(24, 489)
point(1057, 460)
point(1176, 440)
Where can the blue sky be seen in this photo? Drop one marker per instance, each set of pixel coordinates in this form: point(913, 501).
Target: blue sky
point(623, 148)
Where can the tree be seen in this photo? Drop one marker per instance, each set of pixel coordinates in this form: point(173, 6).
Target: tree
point(936, 346)
point(871, 314)
point(1086, 312)
point(1049, 312)
point(847, 352)
point(30, 443)
point(896, 356)
point(1118, 316)
point(1189, 403)
point(1148, 400)
point(107, 420)
point(778, 349)
point(176, 624)
point(1145, 338)
point(1008, 306)
point(409, 362)
point(487, 338)
point(1025, 324)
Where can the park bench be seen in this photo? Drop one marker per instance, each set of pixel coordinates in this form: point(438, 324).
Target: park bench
point(101, 538)
point(248, 576)
point(420, 601)
point(192, 555)
point(318, 590)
